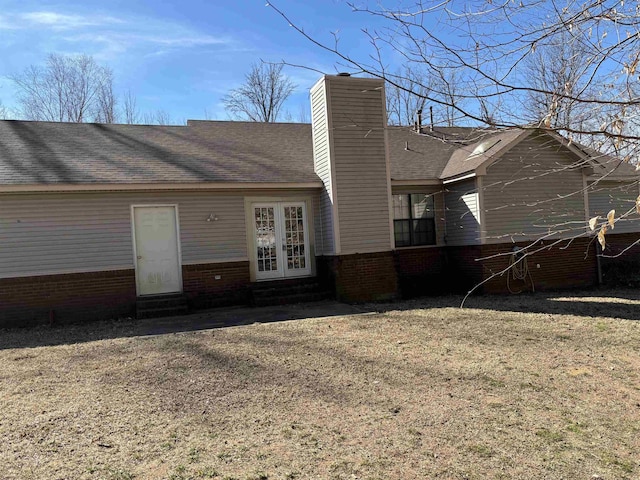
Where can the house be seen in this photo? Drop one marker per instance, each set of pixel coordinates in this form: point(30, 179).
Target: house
point(95, 217)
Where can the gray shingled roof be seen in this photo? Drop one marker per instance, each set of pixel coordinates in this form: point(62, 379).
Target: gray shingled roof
point(214, 151)
point(464, 160)
point(416, 156)
point(47, 152)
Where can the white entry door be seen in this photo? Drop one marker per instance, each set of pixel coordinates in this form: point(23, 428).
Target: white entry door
point(156, 250)
point(282, 240)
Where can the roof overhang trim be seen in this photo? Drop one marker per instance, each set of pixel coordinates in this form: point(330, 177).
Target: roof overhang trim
point(459, 179)
point(127, 187)
point(410, 183)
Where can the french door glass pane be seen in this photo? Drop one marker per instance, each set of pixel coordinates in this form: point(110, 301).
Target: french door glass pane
point(294, 237)
point(266, 239)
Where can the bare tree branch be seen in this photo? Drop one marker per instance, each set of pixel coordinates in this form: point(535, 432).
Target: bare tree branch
point(67, 89)
point(261, 97)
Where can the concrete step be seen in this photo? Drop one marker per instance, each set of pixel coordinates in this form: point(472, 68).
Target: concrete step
point(290, 295)
point(161, 306)
point(286, 289)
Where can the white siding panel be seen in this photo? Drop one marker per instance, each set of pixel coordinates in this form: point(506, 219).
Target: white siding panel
point(462, 213)
point(533, 190)
point(618, 196)
point(322, 167)
point(358, 123)
point(57, 233)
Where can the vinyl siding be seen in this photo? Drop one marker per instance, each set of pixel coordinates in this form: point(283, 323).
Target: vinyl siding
point(619, 196)
point(62, 233)
point(438, 205)
point(322, 167)
point(462, 213)
point(532, 191)
point(357, 127)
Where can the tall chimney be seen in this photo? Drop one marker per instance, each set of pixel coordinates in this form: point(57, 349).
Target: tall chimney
point(349, 125)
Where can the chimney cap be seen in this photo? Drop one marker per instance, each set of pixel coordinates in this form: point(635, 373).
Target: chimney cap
point(344, 74)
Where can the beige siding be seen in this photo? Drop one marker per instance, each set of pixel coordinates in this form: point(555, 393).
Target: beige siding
point(438, 205)
point(357, 127)
point(532, 191)
point(619, 196)
point(322, 167)
point(58, 233)
point(462, 213)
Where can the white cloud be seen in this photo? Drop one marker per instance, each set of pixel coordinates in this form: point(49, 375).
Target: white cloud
point(113, 43)
point(107, 36)
point(60, 21)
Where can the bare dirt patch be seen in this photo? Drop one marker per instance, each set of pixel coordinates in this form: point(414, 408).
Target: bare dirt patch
point(414, 390)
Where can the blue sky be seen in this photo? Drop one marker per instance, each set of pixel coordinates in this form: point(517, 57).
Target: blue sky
point(180, 56)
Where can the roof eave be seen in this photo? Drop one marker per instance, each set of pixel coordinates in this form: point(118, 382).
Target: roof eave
point(127, 187)
point(416, 182)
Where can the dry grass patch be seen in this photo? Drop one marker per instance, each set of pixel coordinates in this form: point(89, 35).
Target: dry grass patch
point(423, 391)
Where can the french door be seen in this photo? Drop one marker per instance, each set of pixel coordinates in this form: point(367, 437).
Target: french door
point(282, 240)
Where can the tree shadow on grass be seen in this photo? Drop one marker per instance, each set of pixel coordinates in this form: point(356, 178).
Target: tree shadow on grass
point(616, 303)
point(597, 302)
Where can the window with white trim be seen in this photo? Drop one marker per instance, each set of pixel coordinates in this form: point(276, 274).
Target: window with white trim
point(414, 219)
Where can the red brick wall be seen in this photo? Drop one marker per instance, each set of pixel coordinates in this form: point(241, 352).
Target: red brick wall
point(76, 297)
point(363, 277)
point(561, 266)
point(84, 297)
point(621, 264)
point(421, 271)
point(463, 269)
point(203, 290)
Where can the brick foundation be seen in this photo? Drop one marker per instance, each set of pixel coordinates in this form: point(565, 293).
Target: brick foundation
point(463, 270)
point(204, 291)
point(421, 271)
point(565, 265)
point(362, 277)
point(77, 297)
point(622, 270)
point(457, 269)
point(82, 297)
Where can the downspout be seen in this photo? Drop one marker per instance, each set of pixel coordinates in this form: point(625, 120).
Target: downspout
point(598, 264)
point(587, 214)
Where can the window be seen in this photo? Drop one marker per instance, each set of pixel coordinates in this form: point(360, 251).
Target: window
point(414, 219)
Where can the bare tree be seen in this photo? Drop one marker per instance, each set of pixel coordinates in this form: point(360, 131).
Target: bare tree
point(159, 117)
point(407, 95)
point(66, 89)
point(4, 112)
point(558, 70)
point(487, 45)
point(130, 108)
point(261, 97)
point(106, 101)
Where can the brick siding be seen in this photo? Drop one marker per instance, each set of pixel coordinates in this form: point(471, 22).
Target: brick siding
point(203, 290)
point(421, 271)
point(75, 297)
point(620, 264)
point(565, 265)
point(362, 277)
